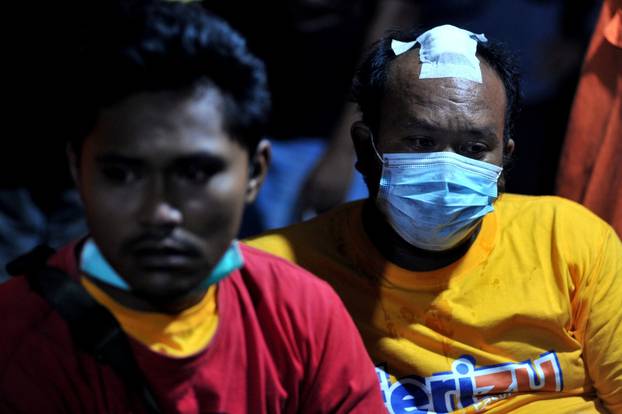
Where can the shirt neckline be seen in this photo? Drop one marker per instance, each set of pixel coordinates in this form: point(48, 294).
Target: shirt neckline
point(368, 258)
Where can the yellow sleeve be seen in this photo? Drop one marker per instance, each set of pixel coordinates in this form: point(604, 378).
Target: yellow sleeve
point(601, 295)
point(275, 244)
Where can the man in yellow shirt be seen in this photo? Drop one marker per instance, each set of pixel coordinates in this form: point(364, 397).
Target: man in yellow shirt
point(467, 300)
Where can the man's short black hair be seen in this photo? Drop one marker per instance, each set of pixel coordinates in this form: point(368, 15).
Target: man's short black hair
point(368, 86)
point(151, 46)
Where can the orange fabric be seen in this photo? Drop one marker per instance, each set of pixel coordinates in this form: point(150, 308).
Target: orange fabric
point(181, 335)
point(613, 30)
point(591, 163)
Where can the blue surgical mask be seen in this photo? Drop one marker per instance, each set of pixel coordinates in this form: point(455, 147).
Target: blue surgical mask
point(93, 263)
point(230, 261)
point(434, 200)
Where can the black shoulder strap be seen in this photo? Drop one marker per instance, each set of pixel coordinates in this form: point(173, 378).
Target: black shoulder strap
point(92, 326)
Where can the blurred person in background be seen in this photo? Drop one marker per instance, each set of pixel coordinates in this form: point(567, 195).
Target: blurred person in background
point(310, 48)
point(590, 171)
point(38, 201)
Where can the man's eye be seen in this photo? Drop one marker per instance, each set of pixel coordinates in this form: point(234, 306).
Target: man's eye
point(473, 148)
point(422, 143)
point(195, 174)
point(119, 175)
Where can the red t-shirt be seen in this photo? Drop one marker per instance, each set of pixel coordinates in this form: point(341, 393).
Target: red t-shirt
point(284, 344)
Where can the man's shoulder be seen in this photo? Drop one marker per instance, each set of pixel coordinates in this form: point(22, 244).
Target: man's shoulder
point(19, 303)
point(550, 219)
point(276, 274)
point(26, 320)
point(26, 315)
point(320, 233)
point(284, 293)
point(307, 332)
point(540, 201)
point(547, 207)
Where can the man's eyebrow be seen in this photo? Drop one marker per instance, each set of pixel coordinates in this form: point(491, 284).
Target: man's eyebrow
point(486, 132)
point(194, 158)
point(421, 124)
point(113, 158)
point(200, 158)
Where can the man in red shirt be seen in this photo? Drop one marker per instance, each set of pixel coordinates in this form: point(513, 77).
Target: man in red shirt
point(168, 154)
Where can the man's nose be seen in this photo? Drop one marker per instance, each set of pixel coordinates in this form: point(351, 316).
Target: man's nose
point(159, 211)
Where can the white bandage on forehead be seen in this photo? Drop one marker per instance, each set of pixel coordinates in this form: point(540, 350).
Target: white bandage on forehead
point(446, 52)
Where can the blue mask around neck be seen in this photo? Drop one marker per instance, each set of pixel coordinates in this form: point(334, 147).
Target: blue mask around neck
point(434, 200)
point(93, 263)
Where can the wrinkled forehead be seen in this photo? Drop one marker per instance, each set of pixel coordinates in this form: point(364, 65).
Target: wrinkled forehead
point(403, 86)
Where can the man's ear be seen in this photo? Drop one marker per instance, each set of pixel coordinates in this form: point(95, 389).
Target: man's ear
point(508, 149)
point(367, 162)
point(258, 169)
point(366, 158)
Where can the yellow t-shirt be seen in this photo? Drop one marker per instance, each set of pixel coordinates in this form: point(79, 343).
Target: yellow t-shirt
point(529, 320)
point(181, 335)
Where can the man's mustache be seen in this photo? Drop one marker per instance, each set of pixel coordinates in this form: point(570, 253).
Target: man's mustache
point(154, 241)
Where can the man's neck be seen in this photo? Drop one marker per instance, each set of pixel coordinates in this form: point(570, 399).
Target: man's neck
point(138, 303)
point(398, 251)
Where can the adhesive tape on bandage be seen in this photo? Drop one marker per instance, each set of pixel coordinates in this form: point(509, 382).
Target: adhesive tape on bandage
point(446, 52)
